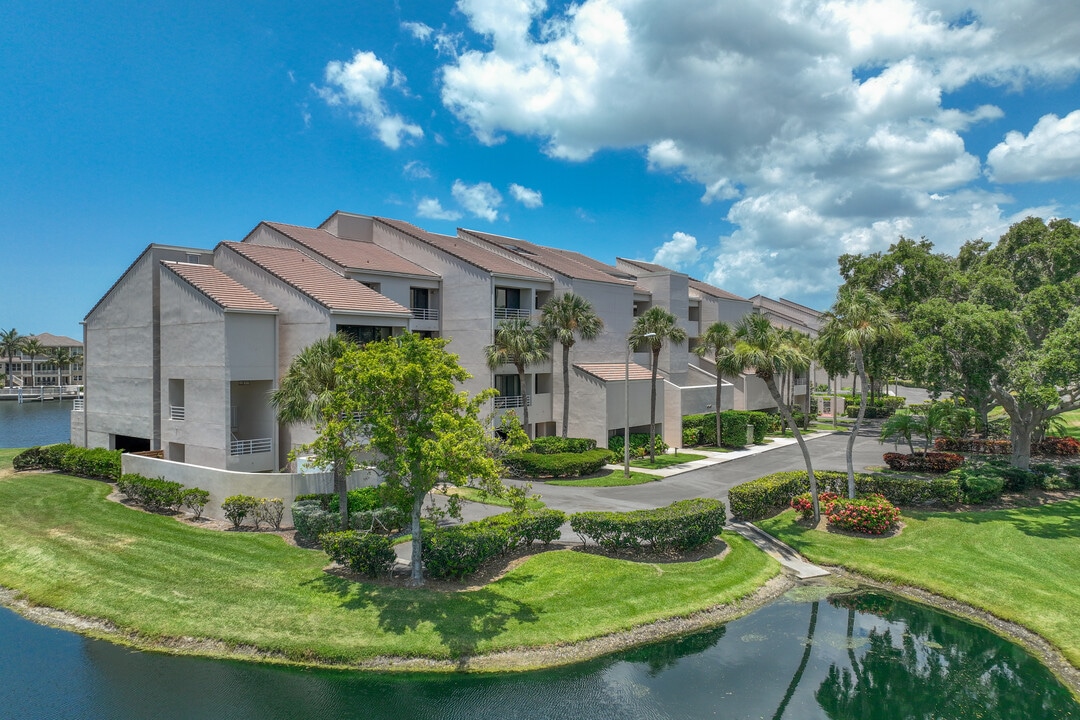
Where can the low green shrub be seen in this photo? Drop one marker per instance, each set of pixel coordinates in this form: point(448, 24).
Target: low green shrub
point(311, 519)
point(681, 526)
point(639, 445)
point(882, 406)
point(560, 465)
point(764, 496)
point(380, 520)
point(269, 511)
point(691, 436)
point(555, 445)
point(459, 550)
point(1061, 446)
point(195, 500)
point(152, 493)
point(702, 428)
point(977, 488)
point(368, 554)
point(932, 462)
point(804, 503)
point(1072, 475)
point(97, 463)
point(869, 515)
point(238, 507)
point(526, 527)
point(41, 457)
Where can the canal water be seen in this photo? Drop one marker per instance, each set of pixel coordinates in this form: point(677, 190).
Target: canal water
point(858, 656)
point(34, 423)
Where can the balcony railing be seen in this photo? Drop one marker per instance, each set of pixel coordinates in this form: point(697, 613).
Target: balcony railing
point(505, 313)
point(79, 405)
point(425, 313)
point(176, 412)
point(512, 401)
point(250, 447)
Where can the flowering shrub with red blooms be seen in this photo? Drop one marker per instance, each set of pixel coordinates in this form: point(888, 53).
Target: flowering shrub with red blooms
point(805, 504)
point(935, 462)
point(870, 515)
point(980, 446)
point(1057, 446)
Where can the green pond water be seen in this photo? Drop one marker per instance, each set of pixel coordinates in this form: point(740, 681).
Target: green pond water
point(858, 655)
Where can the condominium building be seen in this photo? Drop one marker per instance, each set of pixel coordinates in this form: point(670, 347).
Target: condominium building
point(35, 365)
point(184, 349)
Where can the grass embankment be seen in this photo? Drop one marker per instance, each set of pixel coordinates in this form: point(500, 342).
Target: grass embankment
point(1072, 424)
point(64, 545)
point(613, 478)
point(1019, 564)
point(664, 461)
point(479, 496)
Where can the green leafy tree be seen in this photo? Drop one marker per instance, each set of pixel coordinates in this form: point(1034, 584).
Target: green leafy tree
point(33, 349)
point(901, 426)
point(398, 400)
point(761, 347)
point(653, 328)
point(857, 320)
point(11, 344)
point(305, 393)
point(566, 319)
point(719, 340)
point(519, 343)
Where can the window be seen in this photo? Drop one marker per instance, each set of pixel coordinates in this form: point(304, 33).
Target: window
point(420, 298)
point(364, 334)
point(377, 287)
point(508, 298)
point(508, 385)
point(194, 259)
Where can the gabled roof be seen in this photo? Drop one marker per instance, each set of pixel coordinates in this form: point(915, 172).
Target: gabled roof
point(610, 372)
point(706, 288)
point(317, 281)
point(546, 257)
point(647, 267)
point(466, 251)
point(615, 272)
point(350, 254)
point(219, 287)
point(146, 251)
point(50, 340)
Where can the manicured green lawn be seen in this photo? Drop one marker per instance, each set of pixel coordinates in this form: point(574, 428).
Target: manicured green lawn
point(479, 496)
point(1022, 564)
point(614, 478)
point(663, 461)
point(1072, 427)
point(64, 545)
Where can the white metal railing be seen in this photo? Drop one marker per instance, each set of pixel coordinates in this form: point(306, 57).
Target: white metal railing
point(425, 313)
point(512, 401)
point(250, 447)
point(505, 313)
point(79, 405)
point(176, 412)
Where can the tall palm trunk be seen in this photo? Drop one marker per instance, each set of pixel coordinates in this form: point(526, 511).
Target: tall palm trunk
point(770, 383)
point(858, 424)
point(652, 409)
point(565, 387)
point(524, 400)
point(719, 393)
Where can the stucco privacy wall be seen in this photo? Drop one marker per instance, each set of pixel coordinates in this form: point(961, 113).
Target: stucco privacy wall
point(224, 483)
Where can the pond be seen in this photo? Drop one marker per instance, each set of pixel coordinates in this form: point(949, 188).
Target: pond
point(857, 655)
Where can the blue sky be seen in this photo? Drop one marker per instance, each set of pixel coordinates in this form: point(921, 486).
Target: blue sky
point(747, 146)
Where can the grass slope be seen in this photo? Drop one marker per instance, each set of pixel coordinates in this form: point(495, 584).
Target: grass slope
point(64, 545)
point(664, 461)
point(1019, 564)
point(613, 478)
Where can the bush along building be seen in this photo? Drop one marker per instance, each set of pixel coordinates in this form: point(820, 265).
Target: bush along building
point(183, 351)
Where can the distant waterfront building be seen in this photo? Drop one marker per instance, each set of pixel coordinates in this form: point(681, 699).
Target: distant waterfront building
point(40, 370)
point(184, 349)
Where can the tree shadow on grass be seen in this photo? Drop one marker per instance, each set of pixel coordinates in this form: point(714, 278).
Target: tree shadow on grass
point(461, 620)
point(1050, 521)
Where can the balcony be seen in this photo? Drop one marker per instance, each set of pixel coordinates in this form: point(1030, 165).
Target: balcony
point(176, 412)
point(512, 401)
point(425, 313)
point(505, 313)
point(250, 447)
point(79, 405)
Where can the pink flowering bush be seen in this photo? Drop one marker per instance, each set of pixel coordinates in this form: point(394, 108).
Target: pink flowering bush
point(805, 505)
point(869, 515)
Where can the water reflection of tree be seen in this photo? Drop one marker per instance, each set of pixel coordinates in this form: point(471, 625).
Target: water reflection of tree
point(661, 656)
point(797, 677)
point(940, 667)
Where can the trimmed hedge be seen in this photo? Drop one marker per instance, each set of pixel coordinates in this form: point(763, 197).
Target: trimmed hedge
point(239, 507)
point(765, 496)
point(1061, 446)
point(524, 528)
point(639, 445)
point(366, 553)
point(932, 462)
point(555, 445)
point(879, 407)
point(459, 550)
point(97, 463)
point(311, 519)
point(702, 428)
point(979, 446)
point(681, 526)
point(870, 515)
point(152, 493)
point(536, 465)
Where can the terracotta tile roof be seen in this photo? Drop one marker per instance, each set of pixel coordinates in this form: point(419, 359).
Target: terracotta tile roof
point(50, 340)
point(615, 272)
point(611, 372)
point(317, 281)
point(219, 287)
point(546, 257)
point(351, 254)
point(647, 267)
point(712, 290)
point(471, 253)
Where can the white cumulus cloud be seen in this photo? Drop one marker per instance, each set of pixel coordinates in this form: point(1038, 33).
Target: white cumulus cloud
point(678, 253)
point(359, 83)
point(1049, 152)
point(432, 208)
point(526, 196)
point(481, 199)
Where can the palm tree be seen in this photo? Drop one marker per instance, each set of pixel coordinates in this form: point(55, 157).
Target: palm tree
point(62, 357)
point(33, 348)
point(306, 390)
point(719, 339)
point(11, 343)
point(858, 319)
point(901, 426)
point(565, 319)
point(761, 347)
point(653, 327)
point(519, 343)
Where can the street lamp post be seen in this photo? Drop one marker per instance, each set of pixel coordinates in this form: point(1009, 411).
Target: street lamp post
point(626, 406)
